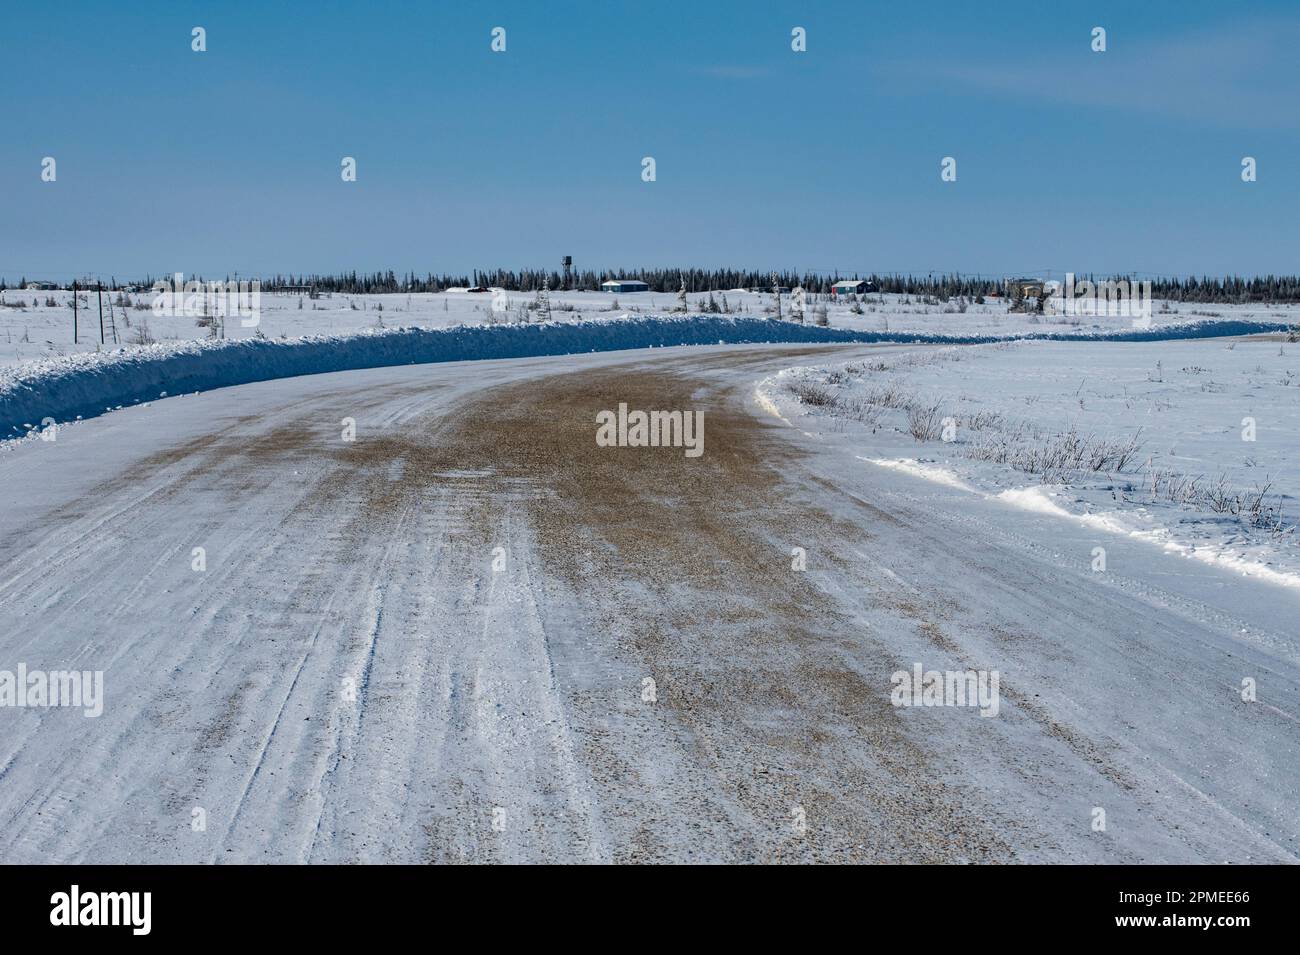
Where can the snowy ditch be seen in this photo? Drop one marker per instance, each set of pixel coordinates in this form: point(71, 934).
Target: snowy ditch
point(1193, 446)
point(40, 393)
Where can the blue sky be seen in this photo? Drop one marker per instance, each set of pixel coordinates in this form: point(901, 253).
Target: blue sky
point(229, 160)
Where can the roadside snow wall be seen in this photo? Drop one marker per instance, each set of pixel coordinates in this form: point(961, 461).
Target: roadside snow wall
point(85, 385)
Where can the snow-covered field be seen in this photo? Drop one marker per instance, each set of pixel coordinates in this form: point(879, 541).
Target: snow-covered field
point(1191, 446)
point(45, 379)
point(32, 329)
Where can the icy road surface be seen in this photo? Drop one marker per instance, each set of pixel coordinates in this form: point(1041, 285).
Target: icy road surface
point(435, 642)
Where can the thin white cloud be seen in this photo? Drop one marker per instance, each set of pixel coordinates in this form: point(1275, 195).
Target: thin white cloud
point(1243, 75)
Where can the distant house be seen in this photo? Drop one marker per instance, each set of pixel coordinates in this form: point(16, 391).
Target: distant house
point(624, 285)
point(41, 287)
point(852, 287)
point(1026, 294)
point(1025, 288)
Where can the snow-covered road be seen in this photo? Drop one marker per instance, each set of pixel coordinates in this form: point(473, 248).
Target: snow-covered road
point(470, 634)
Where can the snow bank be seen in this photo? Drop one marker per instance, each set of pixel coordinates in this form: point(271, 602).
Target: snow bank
point(1198, 485)
point(85, 385)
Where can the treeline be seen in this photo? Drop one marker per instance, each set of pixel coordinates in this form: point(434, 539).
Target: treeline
point(1230, 291)
point(1227, 290)
point(659, 280)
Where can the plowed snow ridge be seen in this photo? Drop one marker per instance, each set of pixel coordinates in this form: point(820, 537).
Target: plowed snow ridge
point(82, 386)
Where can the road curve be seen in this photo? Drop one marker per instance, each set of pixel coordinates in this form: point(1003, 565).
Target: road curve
point(471, 635)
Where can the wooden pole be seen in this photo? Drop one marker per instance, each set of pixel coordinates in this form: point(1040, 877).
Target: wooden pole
point(74, 311)
point(99, 294)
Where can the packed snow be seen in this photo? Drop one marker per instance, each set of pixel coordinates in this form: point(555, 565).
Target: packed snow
point(347, 674)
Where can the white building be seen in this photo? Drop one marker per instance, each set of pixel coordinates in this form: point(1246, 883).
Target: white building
point(852, 287)
point(624, 285)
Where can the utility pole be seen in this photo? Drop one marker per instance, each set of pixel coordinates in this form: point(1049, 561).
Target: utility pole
point(74, 311)
point(99, 294)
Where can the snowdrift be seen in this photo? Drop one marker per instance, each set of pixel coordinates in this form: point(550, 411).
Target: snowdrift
point(90, 384)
